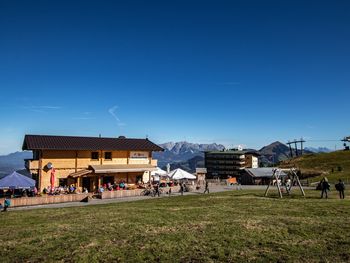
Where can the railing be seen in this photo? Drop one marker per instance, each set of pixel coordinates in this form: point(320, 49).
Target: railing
point(138, 161)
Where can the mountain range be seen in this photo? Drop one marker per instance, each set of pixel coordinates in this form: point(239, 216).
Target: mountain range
point(188, 156)
point(269, 155)
point(13, 161)
point(319, 149)
point(175, 152)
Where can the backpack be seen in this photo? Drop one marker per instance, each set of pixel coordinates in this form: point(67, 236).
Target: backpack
point(7, 202)
point(340, 186)
point(337, 187)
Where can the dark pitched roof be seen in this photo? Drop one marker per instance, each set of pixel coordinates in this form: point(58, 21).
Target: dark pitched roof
point(47, 142)
point(262, 172)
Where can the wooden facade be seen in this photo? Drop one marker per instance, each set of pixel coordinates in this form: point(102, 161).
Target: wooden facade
point(77, 166)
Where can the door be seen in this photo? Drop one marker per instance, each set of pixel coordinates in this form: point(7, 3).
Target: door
point(87, 183)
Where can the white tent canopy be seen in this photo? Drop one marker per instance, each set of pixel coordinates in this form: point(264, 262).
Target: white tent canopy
point(179, 174)
point(159, 171)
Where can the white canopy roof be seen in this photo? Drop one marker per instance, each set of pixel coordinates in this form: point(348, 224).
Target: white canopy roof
point(158, 171)
point(179, 174)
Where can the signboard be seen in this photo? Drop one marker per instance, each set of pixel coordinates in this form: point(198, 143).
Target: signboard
point(139, 155)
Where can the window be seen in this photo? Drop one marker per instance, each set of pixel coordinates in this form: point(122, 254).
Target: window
point(94, 156)
point(108, 155)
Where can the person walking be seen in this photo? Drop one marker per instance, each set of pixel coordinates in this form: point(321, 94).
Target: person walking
point(156, 189)
point(182, 188)
point(238, 185)
point(325, 187)
point(206, 187)
point(340, 186)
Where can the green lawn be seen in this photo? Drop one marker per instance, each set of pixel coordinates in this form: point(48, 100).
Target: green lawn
point(228, 227)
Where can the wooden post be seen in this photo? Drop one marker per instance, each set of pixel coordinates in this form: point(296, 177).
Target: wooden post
point(79, 183)
point(278, 184)
point(290, 149)
point(298, 181)
point(268, 187)
point(296, 148)
point(76, 161)
point(40, 170)
point(271, 182)
point(98, 182)
point(301, 150)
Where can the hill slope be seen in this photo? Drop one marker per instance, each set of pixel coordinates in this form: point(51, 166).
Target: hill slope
point(274, 152)
point(321, 164)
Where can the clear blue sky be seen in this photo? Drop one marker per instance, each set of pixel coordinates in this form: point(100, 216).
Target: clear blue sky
point(231, 72)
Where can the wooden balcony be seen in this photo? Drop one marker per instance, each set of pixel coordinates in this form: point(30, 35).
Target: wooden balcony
point(154, 162)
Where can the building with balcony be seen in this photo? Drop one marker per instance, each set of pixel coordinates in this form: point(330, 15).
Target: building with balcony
point(89, 162)
point(229, 163)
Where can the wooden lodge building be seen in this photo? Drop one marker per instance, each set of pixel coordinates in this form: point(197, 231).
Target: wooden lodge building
point(89, 161)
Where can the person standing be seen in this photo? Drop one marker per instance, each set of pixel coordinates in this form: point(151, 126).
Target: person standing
point(340, 188)
point(7, 204)
point(325, 187)
point(169, 191)
point(239, 185)
point(206, 187)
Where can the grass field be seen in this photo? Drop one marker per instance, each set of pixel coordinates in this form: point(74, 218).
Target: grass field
point(223, 227)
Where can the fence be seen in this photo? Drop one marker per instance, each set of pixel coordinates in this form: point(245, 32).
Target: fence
point(121, 193)
point(54, 199)
point(47, 199)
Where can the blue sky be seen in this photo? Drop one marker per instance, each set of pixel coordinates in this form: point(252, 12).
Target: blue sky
point(231, 72)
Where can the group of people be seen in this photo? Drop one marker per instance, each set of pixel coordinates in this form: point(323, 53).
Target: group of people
point(325, 187)
point(113, 187)
point(155, 188)
point(31, 192)
point(71, 189)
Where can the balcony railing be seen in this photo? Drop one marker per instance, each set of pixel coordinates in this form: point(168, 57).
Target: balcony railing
point(34, 164)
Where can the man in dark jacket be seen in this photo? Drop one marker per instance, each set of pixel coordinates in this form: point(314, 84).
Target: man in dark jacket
point(325, 187)
point(340, 188)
